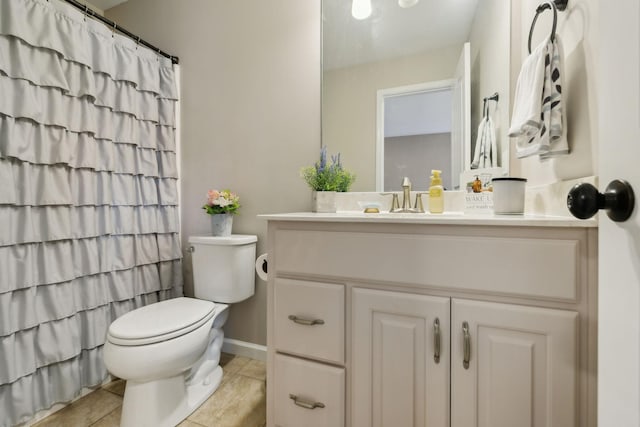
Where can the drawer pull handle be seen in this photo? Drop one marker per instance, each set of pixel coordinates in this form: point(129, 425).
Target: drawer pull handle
point(467, 345)
point(306, 322)
point(436, 340)
point(306, 404)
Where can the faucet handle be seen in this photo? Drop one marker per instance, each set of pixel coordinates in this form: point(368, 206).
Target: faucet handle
point(418, 206)
point(395, 202)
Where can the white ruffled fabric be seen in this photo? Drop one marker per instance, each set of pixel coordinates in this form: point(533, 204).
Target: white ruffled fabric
point(88, 201)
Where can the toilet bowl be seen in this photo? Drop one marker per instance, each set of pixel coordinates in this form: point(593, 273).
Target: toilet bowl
point(169, 352)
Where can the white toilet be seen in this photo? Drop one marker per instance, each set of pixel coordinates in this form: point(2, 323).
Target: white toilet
point(168, 352)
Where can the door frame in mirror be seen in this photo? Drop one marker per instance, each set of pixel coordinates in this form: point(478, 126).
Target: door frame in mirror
point(381, 95)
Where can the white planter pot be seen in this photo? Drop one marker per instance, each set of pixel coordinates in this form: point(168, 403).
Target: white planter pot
point(221, 224)
point(323, 201)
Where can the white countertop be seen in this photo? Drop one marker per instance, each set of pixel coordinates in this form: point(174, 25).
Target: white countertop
point(447, 218)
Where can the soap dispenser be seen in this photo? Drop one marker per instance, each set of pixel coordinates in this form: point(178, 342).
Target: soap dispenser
point(436, 195)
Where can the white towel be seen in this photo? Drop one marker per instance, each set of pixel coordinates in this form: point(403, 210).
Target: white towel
point(475, 164)
point(486, 152)
point(545, 134)
point(527, 102)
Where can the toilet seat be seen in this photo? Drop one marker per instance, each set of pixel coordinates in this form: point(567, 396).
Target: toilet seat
point(161, 321)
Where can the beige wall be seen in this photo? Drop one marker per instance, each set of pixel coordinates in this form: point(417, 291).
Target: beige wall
point(349, 104)
point(95, 8)
point(577, 28)
point(250, 112)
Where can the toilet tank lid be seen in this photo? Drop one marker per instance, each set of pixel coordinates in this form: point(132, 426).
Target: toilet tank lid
point(234, 239)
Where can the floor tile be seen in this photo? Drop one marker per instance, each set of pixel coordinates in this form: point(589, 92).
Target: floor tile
point(226, 358)
point(255, 369)
point(240, 402)
point(116, 387)
point(226, 377)
point(187, 423)
point(111, 420)
point(235, 364)
point(84, 411)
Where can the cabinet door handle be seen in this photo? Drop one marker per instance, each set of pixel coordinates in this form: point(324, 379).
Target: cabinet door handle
point(306, 404)
point(467, 345)
point(436, 340)
point(306, 322)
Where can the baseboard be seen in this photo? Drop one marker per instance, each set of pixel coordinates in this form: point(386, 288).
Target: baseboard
point(246, 349)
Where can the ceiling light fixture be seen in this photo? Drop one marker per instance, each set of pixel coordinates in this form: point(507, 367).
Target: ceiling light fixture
point(407, 3)
point(361, 9)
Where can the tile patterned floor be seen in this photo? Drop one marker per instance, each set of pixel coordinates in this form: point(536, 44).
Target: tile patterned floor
point(240, 401)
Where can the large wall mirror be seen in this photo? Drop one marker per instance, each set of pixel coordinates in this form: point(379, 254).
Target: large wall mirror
point(395, 101)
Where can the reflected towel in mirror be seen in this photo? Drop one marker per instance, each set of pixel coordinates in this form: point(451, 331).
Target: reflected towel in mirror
point(486, 152)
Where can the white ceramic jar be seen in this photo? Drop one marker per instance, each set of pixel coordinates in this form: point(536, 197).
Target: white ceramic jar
point(508, 195)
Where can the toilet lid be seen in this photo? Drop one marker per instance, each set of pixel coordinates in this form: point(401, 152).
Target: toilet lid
point(160, 321)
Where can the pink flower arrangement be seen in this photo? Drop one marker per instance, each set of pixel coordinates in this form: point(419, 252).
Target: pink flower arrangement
point(221, 202)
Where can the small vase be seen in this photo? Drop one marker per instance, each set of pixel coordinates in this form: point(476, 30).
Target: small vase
point(221, 224)
point(323, 201)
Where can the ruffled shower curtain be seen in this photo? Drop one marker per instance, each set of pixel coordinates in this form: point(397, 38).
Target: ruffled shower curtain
point(88, 197)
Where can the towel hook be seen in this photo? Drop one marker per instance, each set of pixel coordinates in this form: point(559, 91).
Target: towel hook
point(485, 107)
point(553, 5)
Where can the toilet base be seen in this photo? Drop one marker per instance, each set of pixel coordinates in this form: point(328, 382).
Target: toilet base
point(166, 402)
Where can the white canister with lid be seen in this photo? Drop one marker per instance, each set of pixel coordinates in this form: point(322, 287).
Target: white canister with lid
point(508, 195)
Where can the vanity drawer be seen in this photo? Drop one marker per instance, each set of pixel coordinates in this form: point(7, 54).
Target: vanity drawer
point(540, 263)
point(309, 319)
point(301, 387)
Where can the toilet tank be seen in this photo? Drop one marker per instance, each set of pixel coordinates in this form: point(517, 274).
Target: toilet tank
point(223, 267)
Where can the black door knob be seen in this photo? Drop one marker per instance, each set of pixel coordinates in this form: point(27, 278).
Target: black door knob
point(618, 200)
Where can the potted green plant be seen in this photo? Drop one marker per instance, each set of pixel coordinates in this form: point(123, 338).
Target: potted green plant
point(325, 180)
point(221, 205)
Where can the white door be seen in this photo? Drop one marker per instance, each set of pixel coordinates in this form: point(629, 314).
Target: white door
point(399, 376)
point(512, 365)
point(618, 58)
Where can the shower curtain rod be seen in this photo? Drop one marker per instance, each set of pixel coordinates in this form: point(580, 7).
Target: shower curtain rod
point(88, 11)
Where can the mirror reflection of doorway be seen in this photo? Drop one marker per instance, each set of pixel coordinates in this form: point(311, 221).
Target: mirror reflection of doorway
point(416, 136)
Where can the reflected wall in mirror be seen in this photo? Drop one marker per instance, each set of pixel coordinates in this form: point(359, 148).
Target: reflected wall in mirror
point(413, 135)
point(398, 47)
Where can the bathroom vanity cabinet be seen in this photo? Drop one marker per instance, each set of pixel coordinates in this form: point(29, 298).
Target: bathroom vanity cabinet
point(431, 322)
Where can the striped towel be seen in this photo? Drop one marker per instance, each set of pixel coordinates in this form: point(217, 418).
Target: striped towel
point(545, 134)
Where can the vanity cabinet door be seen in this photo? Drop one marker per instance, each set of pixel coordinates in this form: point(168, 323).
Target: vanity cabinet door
point(522, 365)
point(397, 377)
